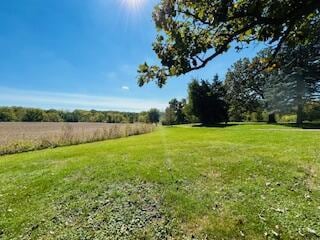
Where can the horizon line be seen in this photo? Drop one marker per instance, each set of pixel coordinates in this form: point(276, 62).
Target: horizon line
point(75, 101)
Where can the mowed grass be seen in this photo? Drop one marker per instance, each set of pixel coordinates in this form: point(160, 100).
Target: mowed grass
point(243, 181)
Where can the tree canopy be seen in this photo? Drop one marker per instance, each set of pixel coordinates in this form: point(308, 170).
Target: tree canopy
point(175, 112)
point(153, 115)
point(287, 87)
point(244, 85)
point(207, 101)
point(192, 33)
point(297, 80)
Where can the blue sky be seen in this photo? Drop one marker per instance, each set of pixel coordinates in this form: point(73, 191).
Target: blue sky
point(69, 54)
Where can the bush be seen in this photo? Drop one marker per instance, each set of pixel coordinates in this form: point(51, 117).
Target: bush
point(312, 111)
point(288, 118)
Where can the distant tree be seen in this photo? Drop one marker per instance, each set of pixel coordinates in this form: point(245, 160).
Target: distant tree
point(208, 101)
point(116, 117)
point(70, 117)
point(82, 115)
point(52, 116)
point(170, 117)
point(192, 33)
point(98, 117)
point(76, 116)
point(34, 115)
point(189, 115)
point(312, 111)
point(132, 117)
point(244, 89)
point(143, 117)
point(7, 115)
point(174, 113)
point(19, 113)
point(153, 115)
point(180, 111)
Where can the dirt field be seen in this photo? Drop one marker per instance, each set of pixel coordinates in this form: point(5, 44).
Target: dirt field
point(20, 137)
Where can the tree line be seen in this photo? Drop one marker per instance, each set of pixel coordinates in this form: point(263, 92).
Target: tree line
point(21, 114)
point(252, 92)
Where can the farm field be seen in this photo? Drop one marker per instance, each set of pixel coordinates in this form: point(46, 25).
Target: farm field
point(237, 182)
point(25, 136)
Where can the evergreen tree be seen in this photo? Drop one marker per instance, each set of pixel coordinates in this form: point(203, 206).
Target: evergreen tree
point(297, 80)
point(208, 101)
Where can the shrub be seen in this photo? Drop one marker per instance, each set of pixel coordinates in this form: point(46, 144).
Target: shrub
point(288, 118)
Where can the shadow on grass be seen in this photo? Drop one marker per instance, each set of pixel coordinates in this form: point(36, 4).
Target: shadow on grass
point(303, 126)
point(307, 125)
point(216, 125)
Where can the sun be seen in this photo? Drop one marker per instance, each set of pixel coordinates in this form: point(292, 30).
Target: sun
point(133, 5)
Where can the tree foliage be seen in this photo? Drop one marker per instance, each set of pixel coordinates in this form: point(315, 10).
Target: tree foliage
point(297, 80)
point(33, 115)
point(7, 114)
point(175, 112)
point(207, 101)
point(312, 111)
point(153, 115)
point(19, 114)
point(192, 33)
point(292, 81)
point(244, 84)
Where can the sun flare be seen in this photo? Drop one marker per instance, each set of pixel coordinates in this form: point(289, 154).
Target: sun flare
point(133, 5)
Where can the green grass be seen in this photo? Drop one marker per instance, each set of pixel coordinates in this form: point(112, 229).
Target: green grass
point(246, 181)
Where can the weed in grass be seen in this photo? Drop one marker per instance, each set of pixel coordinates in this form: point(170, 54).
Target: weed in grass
point(117, 211)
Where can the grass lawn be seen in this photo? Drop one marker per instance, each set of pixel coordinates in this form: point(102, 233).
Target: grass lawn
point(243, 181)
